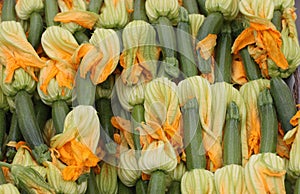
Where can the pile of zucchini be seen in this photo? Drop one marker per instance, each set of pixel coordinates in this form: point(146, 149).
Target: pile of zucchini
point(183, 106)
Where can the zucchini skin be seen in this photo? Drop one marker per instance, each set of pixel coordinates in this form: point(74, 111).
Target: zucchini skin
point(8, 11)
point(283, 101)
point(140, 11)
point(195, 153)
point(174, 188)
point(223, 56)
point(81, 37)
point(211, 25)
point(191, 6)
point(92, 187)
point(202, 7)
point(60, 110)
point(251, 68)
point(137, 118)
point(276, 20)
point(29, 127)
point(2, 132)
point(268, 121)
point(51, 9)
point(36, 29)
point(123, 189)
point(232, 136)
point(141, 186)
point(43, 113)
point(157, 183)
point(85, 89)
point(95, 5)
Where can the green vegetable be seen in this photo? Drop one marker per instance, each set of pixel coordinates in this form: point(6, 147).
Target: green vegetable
point(92, 187)
point(202, 7)
point(95, 5)
point(139, 10)
point(51, 9)
point(60, 110)
point(35, 30)
point(191, 6)
point(276, 20)
point(157, 184)
point(268, 121)
point(8, 11)
point(85, 89)
point(174, 188)
point(251, 68)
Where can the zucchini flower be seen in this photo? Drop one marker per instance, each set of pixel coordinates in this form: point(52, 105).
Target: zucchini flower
point(175, 177)
point(17, 53)
point(230, 179)
point(55, 179)
point(48, 132)
point(251, 139)
point(140, 54)
point(24, 8)
point(293, 138)
point(195, 21)
point(282, 4)
point(9, 188)
point(290, 47)
point(229, 9)
point(222, 94)
point(77, 144)
point(263, 40)
point(128, 170)
point(115, 14)
point(264, 173)
point(101, 55)
point(107, 180)
point(198, 181)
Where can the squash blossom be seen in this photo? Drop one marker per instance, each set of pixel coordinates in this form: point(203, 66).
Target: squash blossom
point(140, 54)
point(100, 56)
point(78, 143)
point(9, 188)
point(107, 180)
point(25, 8)
point(251, 139)
point(261, 37)
point(115, 13)
point(195, 22)
point(17, 54)
point(198, 181)
point(264, 173)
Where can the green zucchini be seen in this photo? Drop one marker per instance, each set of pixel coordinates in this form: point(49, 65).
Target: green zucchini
point(2, 132)
point(29, 127)
point(141, 186)
point(195, 153)
point(174, 188)
point(139, 10)
point(185, 46)
point(51, 9)
point(223, 55)
point(137, 118)
point(8, 11)
point(2, 177)
point(35, 30)
point(157, 183)
point(92, 187)
point(14, 135)
point(43, 113)
point(276, 20)
point(297, 187)
point(284, 102)
point(191, 6)
point(123, 189)
point(268, 122)
point(85, 90)
point(202, 7)
point(95, 5)
point(81, 37)
point(60, 109)
point(232, 136)
point(251, 68)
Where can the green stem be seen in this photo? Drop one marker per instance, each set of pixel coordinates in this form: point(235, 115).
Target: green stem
point(81, 37)
point(276, 20)
point(191, 6)
point(2, 132)
point(8, 11)
point(95, 5)
point(232, 137)
point(5, 164)
point(85, 89)
point(141, 186)
point(14, 135)
point(212, 24)
point(51, 9)
point(139, 10)
point(2, 177)
point(92, 184)
point(174, 188)
point(202, 7)
point(60, 110)
point(137, 117)
point(297, 187)
point(157, 184)
point(195, 153)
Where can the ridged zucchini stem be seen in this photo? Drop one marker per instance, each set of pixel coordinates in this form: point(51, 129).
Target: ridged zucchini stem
point(157, 184)
point(195, 153)
point(276, 20)
point(85, 89)
point(139, 10)
point(174, 188)
point(60, 109)
point(191, 6)
point(51, 9)
point(95, 5)
point(8, 11)
point(232, 136)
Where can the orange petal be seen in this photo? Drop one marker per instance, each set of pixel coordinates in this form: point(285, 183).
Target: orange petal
point(244, 39)
point(238, 74)
point(47, 74)
point(295, 119)
point(71, 173)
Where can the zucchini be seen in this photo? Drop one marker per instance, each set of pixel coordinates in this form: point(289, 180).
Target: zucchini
point(276, 20)
point(14, 135)
point(8, 11)
point(191, 6)
point(60, 110)
point(81, 37)
point(297, 186)
point(137, 118)
point(268, 122)
point(185, 46)
point(157, 183)
point(174, 188)
point(232, 136)
point(29, 127)
point(51, 9)
point(195, 153)
point(223, 55)
point(92, 187)
point(202, 7)
point(123, 189)
point(139, 10)
point(251, 68)
point(141, 187)
point(2, 132)
point(35, 30)
point(43, 113)
point(95, 5)
point(284, 102)
point(85, 90)
point(2, 177)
